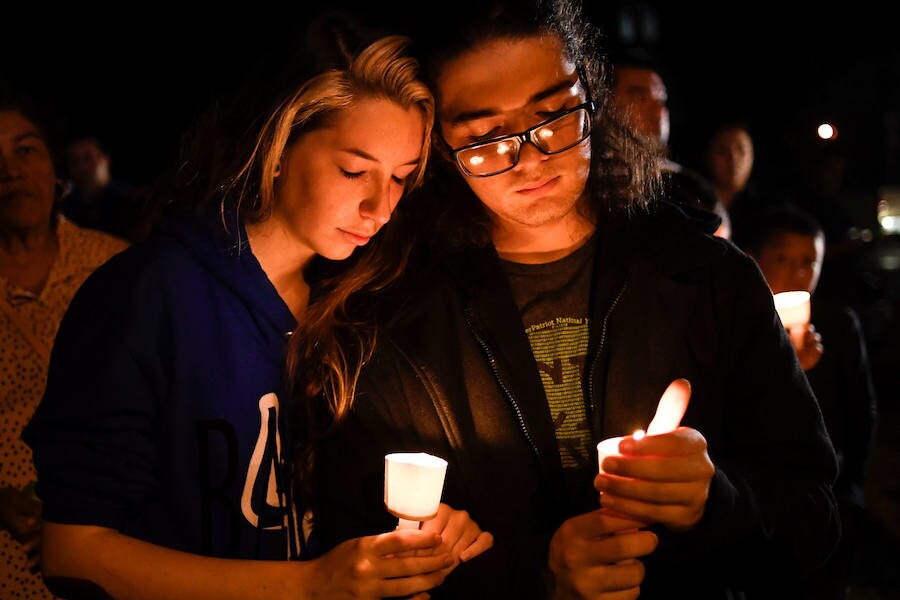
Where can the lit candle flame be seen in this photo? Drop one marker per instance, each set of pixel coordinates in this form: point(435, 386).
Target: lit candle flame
point(671, 408)
point(669, 412)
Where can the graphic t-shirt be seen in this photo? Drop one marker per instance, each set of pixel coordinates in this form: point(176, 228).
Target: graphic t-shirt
point(23, 374)
point(553, 300)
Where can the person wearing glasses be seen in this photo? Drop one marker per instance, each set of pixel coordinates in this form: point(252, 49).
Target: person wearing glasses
point(550, 301)
point(161, 443)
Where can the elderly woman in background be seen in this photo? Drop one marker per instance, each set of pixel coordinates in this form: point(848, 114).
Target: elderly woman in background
point(43, 260)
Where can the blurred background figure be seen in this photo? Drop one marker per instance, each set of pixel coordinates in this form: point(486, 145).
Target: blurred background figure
point(821, 193)
point(789, 248)
point(44, 258)
point(847, 216)
point(640, 95)
point(729, 159)
point(96, 199)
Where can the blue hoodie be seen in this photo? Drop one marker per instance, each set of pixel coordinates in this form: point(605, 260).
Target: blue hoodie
point(164, 409)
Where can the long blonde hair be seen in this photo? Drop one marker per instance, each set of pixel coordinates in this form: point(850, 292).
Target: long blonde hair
point(327, 350)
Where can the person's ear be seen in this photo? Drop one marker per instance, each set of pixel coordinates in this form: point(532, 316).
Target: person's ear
point(277, 168)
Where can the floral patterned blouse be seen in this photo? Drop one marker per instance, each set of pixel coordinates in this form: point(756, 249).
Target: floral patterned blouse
point(23, 373)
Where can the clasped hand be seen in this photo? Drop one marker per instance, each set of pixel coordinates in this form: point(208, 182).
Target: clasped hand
point(403, 562)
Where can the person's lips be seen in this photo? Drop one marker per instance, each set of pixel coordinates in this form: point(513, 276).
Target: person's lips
point(360, 239)
point(539, 186)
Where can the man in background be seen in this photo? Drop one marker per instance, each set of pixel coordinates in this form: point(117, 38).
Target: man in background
point(640, 96)
point(97, 200)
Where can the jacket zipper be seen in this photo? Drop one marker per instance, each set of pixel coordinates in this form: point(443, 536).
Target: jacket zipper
point(506, 391)
point(603, 329)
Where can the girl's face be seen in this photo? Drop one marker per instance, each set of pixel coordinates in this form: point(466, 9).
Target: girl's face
point(340, 183)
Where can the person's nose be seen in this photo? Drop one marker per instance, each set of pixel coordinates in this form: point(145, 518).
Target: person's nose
point(379, 204)
point(529, 155)
point(801, 277)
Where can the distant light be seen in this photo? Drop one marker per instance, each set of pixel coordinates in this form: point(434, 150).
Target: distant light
point(890, 224)
point(889, 209)
point(889, 262)
point(827, 131)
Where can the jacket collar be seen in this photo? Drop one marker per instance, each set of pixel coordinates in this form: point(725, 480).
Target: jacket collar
point(650, 236)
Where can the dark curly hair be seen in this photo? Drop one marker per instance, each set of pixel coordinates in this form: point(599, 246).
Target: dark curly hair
point(625, 177)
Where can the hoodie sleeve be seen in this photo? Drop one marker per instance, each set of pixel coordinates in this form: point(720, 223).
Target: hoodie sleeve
point(93, 435)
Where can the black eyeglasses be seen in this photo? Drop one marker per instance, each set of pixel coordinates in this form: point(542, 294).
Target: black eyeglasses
point(492, 157)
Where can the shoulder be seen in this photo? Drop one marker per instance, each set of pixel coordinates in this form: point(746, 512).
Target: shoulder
point(676, 237)
point(141, 270)
point(81, 252)
point(831, 315)
point(670, 245)
point(123, 190)
point(690, 188)
point(91, 244)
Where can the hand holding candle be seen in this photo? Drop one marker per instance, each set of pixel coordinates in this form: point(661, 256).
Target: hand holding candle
point(794, 311)
point(460, 535)
point(413, 483)
point(669, 412)
point(662, 477)
point(611, 538)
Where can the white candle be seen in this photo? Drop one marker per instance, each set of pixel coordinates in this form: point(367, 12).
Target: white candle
point(413, 482)
point(608, 447)
point(793, 310)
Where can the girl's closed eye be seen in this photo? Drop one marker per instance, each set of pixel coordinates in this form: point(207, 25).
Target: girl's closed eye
point(401, 175)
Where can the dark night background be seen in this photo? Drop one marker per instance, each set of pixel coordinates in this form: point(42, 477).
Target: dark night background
point(136, 77)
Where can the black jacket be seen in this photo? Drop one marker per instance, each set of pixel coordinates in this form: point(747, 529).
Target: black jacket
point(670, 301)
